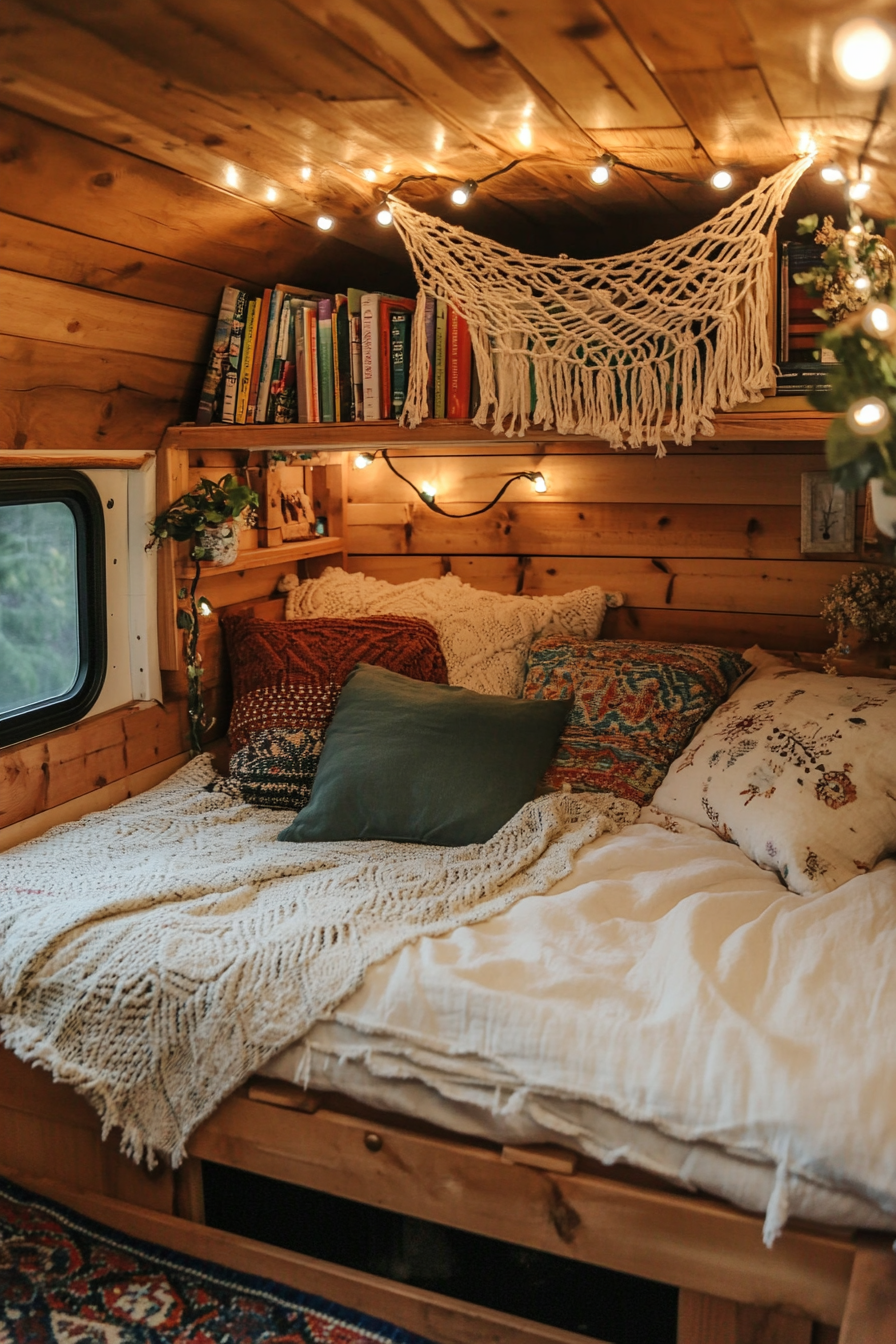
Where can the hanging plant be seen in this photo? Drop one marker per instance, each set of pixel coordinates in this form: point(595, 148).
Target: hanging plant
point(856, 266)
point(207, 512)
point(861, 606)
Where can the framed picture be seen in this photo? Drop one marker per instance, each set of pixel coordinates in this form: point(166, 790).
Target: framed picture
point(827, 516)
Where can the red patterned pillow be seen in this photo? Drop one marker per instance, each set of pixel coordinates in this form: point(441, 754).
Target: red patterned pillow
point(287, 676)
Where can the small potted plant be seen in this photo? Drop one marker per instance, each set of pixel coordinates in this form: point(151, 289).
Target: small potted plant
point(212, 513)
point(861, 606)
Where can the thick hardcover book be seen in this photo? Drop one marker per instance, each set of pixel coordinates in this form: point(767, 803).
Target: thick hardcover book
point(354, 297)
point(325, 371)
point(312, 390)
point(458, 367)
point(247, 357)
point(232, 367)
point(370, 354)
point(342, 359)
point(298, 325)
point(261, 331)
point(439, 359)
point(211, 399)
point(388, 305)
point(798, 379)
point(429, 328)
point(400, 352)
point(264, 412)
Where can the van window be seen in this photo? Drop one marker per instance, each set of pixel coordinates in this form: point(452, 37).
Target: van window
point(52, 601)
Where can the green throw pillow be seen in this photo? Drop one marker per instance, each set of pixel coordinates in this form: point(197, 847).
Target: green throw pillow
point(434, 765)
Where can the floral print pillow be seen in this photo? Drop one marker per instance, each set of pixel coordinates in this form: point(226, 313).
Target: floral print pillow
point(799, 770)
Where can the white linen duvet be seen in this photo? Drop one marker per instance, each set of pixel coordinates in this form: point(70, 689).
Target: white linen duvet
point(668, 1002)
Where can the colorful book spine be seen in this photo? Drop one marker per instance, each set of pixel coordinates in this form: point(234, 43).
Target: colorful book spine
point(211, 399)
point(458, 361)
point(370, 355)
point(385, 357)
point(342, 359)
point(232, 367)
point(311, 375)
point(263, 413)
point(354, 333)
point(429, 328)
point(261, 331)
point(400, 352)
point(247, 356)
point(439, 359)
point(301, 366)
point(278, 407)
point(325, 370)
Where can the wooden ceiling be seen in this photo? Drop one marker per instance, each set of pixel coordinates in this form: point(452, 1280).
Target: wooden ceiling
point(295, 104)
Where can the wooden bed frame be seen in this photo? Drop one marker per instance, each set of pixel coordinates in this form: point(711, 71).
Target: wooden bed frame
point(816, 1286)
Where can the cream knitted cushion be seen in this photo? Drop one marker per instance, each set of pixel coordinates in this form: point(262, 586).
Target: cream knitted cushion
point(485, 636)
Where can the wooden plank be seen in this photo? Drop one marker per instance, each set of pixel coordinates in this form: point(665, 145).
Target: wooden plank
point(465, 483)
point(71, 398)
point(444, 1320)
point(756, 1325)
point(731, 114)
point(58, 254)
point(725, 530)
point(735, 630)
point(870, 1314)
point(704, 1319)
point(266, 557)
point(126, 460)
point(47, 310)
point(86, 756)
point(782, 587)
point(691, 1242)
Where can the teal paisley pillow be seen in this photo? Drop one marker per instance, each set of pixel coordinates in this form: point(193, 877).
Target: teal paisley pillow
point(637, 705)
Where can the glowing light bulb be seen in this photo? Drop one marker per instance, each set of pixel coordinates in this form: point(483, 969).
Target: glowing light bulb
point(384, 217)
point(305, 173)
point(868, 415)
point(325, 223)
point(539, 484)
point(833, 173)
point(428, 491)
point(460, 195)
point(880, 320)
point(863, 52)
point(600, 174)
point(203, 606)
point(270, 194)
point(368, 174)
point(862, 283)
point(363, 460)
point(858, 191)
point(231, 176)
point(524, 135)
point(721, 180)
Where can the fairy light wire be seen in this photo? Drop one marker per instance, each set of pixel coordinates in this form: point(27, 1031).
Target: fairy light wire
point(532, 476)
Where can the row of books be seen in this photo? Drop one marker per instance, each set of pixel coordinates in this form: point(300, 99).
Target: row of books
point(298, 355)
point(800, 361)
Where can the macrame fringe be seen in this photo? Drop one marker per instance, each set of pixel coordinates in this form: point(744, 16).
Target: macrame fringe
point(630, 349)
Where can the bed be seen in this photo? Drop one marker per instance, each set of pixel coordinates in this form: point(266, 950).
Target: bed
point(684, 1131)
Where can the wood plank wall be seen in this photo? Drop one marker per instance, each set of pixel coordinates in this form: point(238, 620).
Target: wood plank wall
point(111, 270)
point(704, 543)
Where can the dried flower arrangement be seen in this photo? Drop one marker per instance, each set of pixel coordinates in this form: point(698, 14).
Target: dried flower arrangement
point(863, 601)
point(856, 267)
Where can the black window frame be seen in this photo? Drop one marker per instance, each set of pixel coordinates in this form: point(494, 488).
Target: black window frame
point(19, 486)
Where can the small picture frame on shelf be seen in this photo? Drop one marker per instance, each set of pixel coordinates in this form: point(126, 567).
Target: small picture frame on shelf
point(827, 516)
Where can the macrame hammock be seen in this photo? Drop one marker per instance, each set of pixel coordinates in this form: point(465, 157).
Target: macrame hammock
point(626, 349)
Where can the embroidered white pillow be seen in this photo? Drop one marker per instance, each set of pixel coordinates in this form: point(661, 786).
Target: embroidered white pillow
point(485, 636)
point(799, 770)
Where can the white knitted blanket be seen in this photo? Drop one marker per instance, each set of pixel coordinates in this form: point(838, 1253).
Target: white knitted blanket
point(158, 954)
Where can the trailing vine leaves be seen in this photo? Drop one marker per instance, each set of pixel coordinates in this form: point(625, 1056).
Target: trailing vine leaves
point(207, 505)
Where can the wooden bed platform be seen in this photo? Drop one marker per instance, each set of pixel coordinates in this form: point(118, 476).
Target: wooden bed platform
point(814, 1283)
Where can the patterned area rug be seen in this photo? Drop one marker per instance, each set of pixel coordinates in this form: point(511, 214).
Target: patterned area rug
point(67, 1280)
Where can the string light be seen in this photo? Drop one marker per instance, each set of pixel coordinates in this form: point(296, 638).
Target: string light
point(857, 191)
point(426, 491)
point(833, 173)
point(539, 483)
point(461, 195)
point(721, 179)
point(384, 217)
point(270, 194)
point(231, 176)
point(862, 283)
point(863, 52)
point(867, 416)
point(879, 320)
point(600, 173)
point(363, 460)
point(368, 174)
point(325, 223)
point(203, 606)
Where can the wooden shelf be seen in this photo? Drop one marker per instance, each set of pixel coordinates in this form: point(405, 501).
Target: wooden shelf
point(765, 421)
point(262, 556)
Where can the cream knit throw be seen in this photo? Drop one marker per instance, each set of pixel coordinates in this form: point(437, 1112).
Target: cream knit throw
point(485, 636)
point(158, 954)
point(613, 344)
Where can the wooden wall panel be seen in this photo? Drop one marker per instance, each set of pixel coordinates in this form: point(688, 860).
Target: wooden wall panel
point(705, 545)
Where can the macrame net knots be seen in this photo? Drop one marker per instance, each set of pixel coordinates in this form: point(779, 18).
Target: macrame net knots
point(629, 349)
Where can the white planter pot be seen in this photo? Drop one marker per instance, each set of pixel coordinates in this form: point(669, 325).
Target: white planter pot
point(883, 507)
point(222, 544)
